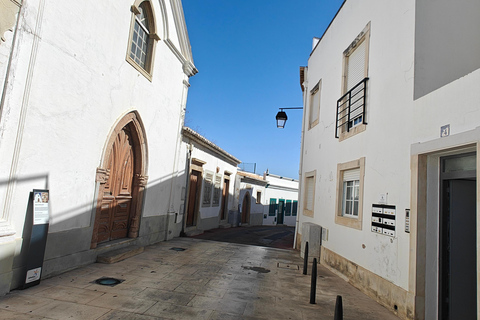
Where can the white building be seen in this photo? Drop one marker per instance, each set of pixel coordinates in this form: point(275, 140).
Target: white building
point(92, 107)
point(251, 198)
point(281, 200)
point(389, 153)
point(209, 186)
point(267, 200)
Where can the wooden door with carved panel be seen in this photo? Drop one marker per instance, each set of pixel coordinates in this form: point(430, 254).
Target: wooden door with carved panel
point(117, 198)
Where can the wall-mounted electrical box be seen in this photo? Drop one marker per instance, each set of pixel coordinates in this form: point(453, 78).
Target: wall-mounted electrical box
point(384, 219)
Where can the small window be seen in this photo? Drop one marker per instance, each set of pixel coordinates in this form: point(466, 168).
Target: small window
point(288, 208)
point(309, 194)
point(272, 207)
point(314, 105)
point(142, 38)
point(351, 188)
point(207, 190)
point(259, 197)
point(217, 191)
point(294, 207)
point(350, 176)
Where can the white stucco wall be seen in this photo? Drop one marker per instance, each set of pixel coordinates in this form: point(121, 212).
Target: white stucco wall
point(69, 85)
point(395, 122)
point(280, 188)
point(387, 168)
point(213, 160)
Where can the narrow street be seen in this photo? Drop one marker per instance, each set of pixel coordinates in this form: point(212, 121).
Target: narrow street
point(189, 278)
point(280, 237)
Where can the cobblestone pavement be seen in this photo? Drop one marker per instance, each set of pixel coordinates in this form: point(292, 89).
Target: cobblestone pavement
point(208, 280)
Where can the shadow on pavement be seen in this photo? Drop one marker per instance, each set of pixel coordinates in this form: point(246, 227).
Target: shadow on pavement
point(280, 237)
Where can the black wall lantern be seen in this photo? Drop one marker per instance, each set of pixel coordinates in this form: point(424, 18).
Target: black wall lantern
point(282, 117)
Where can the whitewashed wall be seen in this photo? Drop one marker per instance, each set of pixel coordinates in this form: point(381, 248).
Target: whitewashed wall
point(68, 86)
point(209, 216)
point(279, 188)
point(385, 143)
point(400, 125)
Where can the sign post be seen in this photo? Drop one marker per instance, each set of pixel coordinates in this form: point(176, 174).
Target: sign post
point(38, 239)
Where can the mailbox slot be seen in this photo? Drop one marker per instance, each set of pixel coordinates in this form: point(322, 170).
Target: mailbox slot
point(384, 219)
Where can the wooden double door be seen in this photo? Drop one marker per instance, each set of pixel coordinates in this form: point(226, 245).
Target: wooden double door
point(116, 206)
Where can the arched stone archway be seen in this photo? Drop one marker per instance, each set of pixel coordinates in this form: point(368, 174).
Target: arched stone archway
point(122, 179)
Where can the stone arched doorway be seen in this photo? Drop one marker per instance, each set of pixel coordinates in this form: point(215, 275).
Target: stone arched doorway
point(246, 208)
point(122, 181)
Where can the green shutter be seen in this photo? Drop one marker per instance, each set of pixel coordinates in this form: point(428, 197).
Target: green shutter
point(272, 207)
point(288, 209)
point(295, 207)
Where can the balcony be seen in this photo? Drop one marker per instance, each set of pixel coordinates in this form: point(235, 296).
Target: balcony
point(351, 108)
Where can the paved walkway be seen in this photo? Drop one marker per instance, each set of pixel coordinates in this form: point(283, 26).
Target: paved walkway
point(280, 237)
point(209, 280)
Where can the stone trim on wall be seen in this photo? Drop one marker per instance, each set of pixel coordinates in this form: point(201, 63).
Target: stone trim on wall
point(8, 13)
point(394, 298)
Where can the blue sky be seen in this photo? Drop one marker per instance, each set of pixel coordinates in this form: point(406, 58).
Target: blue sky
point(248, 54)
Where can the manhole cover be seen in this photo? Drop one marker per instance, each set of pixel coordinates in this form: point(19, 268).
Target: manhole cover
point(288, 266)
point(178, 249)
point(105, 281)
point(257, 269)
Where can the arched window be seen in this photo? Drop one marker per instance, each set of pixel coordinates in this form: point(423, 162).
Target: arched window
point(143, 36)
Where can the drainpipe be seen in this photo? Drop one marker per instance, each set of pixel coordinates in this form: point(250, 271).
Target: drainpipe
point(187, 186)
point(301, 162)
point(181, 120)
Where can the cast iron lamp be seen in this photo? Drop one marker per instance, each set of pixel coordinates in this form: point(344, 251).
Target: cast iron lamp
point(282, 117)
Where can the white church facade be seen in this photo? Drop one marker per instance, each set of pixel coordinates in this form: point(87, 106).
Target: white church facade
point(93, 98)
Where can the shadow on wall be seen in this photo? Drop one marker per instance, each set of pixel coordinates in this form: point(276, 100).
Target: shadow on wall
point(71, 248)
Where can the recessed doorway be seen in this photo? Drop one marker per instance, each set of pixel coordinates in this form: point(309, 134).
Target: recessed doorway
point(457, 238)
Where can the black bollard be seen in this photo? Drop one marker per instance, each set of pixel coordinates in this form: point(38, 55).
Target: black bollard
point(313, 288)
point(305, 259)
point(338, 309)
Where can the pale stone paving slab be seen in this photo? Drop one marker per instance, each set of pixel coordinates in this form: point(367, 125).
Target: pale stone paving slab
point(176, 298)
point(123, 303)
point(70, 294)
point(224, 305)
point(170, 311)
point(116, 315)
point(11, 315)
point(23, 303)
point(61, 310)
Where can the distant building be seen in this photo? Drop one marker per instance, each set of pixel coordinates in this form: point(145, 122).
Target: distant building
point(93, 98)
point(208, 191)
point(281, 192)
point(267, 200)
point(389, 165)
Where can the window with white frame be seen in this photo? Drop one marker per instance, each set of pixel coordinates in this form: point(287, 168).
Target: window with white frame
point(217, 191)
point(142, 38)
point(259, 197)
point(351, 188)
point(314, 105)
point(349, 204)
point(207, 190)
point(309, 198)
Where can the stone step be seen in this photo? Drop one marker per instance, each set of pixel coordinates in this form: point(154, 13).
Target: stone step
point(119, 254)
point(225, 226)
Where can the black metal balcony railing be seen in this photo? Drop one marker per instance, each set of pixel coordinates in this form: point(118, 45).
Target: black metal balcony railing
point(351, 108)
